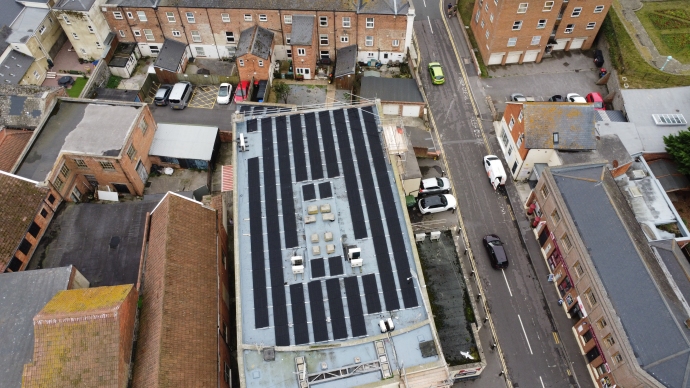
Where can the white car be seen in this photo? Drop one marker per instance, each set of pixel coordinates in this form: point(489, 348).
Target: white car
point(437, 203)
point(224, 93)
point(574, 97)
point(434, 186)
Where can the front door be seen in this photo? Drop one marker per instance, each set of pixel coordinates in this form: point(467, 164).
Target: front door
point(304, 71)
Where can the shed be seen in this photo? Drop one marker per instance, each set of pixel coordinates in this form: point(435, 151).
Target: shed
point(171, 60)
point(345, 67)
point(184, 146)
point(124, 60)
point(399, 96)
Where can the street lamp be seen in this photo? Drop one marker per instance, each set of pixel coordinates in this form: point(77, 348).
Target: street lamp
point(668, 59)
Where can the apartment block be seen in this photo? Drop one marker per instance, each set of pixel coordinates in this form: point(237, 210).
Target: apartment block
point(85, 26)
point(515, 31)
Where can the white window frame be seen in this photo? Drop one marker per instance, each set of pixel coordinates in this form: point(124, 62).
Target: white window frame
point(66, 19)
point(369, 41)
point(75, 36)
point(170, 16)
point(344, 39)
point(200, 52)
point(512, 42)
point(591, 25)
point(287, 19)
point(370, 23)
point(323, 21)
point(148, 33)
point(241, 62)
point(395, 43)
point(123, 33)
point(491, 18)
point(247, 17)
point(323, 39)
point(229, 38)
point(136, 32)
point(476, 17)
point(517, 25)
point(130, 15)
point(347, 22)
point(541, 24)
point(263, 17)
point(288, 38)
point(190, 17)
point(548, 6)
point(261, 63)
point(487, 34)
point(225, 17)
point(486, 7)
point(117, 15)
point(176, 33)
point(98, 45)
point(599, 8)
point(301, 52)
point(288, 52)
point(569, 29)
point(576, 12)
point(482, 24)
point(37, 75)
point(90, 28)
point(196, 36)
point(142, 16)
point(535, 41)
point(522, 8)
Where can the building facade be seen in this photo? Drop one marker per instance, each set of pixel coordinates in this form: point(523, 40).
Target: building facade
point(85, 26)
point(518, 31)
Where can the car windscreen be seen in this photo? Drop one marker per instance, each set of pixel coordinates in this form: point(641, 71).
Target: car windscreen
point(160, 94)
point(598, 104)
point(239, 92)
point(439, 182)
point(439, 76)
point(223, 91)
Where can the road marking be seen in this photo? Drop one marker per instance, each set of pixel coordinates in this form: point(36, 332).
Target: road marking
point(432, 28)
point(424, 4)
point(506, 279)
point(542, 382)
point(525, 333)
point(555, 337)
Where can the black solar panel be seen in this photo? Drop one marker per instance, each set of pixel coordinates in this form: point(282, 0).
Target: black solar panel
point(251, 125)
point(371, 294)
point(245, 108)
point(350, 175)
point(354, 306)
point(257, 245)
point(318, 270)
point(328, 145)
point(335, 266)
point(308, 192)
point(335, 303)
point(298, 148)
point(314, 148)
point(318, 312)
point(287, 198)
point(325, 190)
point(299, 314)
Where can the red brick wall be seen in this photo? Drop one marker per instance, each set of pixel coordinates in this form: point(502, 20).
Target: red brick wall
point(127, 316)
point(386, 29)
point(226, 136)
point(248, 67)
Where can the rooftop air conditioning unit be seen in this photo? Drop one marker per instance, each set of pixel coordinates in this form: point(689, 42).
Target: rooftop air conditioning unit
point(354, 255)
point(435, 236)
point(297, 264)
point(419, 237)
point(386, 325)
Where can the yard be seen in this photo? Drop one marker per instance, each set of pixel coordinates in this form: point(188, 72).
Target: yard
point(668, 25)
point(77, 87)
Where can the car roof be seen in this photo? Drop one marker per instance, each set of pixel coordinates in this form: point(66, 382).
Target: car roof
point(430, 182)
point(432, 200)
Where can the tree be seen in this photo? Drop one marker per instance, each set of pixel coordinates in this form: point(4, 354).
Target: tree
point(282, 91)
point(678, 146)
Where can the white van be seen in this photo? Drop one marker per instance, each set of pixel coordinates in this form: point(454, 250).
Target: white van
point(495, 171)
point(180, 95)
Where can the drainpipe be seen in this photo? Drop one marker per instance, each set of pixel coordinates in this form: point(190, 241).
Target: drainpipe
point(210, 25)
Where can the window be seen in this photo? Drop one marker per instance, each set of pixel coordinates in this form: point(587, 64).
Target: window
point(541, 24)
point(58, 183)
point(131, 152)
point(200, 52)
point(395, 43)
point(34, 229)
point(225, 17)
point(122, 33)
point(149, 34)
point(517, 25)
point(142, 16)
point(136, 32)
point(535, 40)
point(522, 8)
point(591, 25)
point(64, 170)
point(130, 15)
point(519, 141)
point(118, 15)
point(190, 17)
point(170, 16)
point(601, 323)
point(288, 38)
point(566, 241)
point(25, 247)
point(369, 41)
point(344, 39)
point(486, 7)
point(346, 22)
point(287, 19)
point(589, 294)
point(83, 51)
point(578, 269)
point(569, 28)
point(44, 213)
point(487, 34)
point(323, 21)
point(154, 50)
point(196, 36)
point(289, 53)
point(51, 198)
point(545, 191)
point(324, 54)
point(301, 52)
point(504, 138)
point(617, 358)
point(107, 165)
point(143, 124)
point(556, 216)
point(66, 19)
point(42, 29)
point(37, 75)
point(176, 33)
point(476, 17)
point(247, 17)
point(261, 63)
point(511, 43)
point(599, 9)
point(75, 36)
point(520, 116)
point(576, 12)
point(226, 375)
point(370, 23)
point(263, 18)
point(323, 39)
point(511, 124)
point(548, 6)
point(491, 18)
point(229, 37)
point(482, 24)
point(241, 62)
point(609, 341)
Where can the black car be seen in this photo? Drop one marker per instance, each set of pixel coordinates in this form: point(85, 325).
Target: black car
point(162, 95)
point(598, 58)
point(556, 98)
point(497, 255)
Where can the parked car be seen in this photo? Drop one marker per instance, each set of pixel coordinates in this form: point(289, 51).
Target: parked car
point(436, 72)
point(596, 99)
point(437, 203)
point(598, 58)
point(242, 91)
point(519, 97)
point(497, 254)
point(494, 170)
point(556, 98)
point(434, 186)
point(180, 95)
point(574, 97)
point(161, 98)
point(224, 93)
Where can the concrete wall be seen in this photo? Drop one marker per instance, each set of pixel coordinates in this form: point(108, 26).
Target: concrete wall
point(98, 78)
point(88, 43)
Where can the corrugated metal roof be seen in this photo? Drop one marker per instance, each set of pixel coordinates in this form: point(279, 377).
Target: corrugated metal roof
point(391, 89)
point(170, 56)
point(302, 30)
point(573, 122)
point(184, 141)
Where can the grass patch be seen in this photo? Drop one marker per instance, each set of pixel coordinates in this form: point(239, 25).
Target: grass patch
point(113, 82)
point(465, 8)
point(668, 25)
point(627, 60)
point(77, 87)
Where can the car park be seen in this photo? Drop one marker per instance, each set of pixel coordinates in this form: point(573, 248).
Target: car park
point(434, 186)
point(436, 72)
point(241, 91)
point(556, 98)
point(596, 99)
point(437, 203)
point(494, 170)
point(180, 95)
point(518, 97)
point(224, 93)
point(574, 97)
point(162, 95)
point(497, 253)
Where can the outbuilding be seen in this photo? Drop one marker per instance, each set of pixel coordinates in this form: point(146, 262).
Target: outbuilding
point(184, 146)
point(399, 96)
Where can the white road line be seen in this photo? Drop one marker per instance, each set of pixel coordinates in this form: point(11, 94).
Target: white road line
point(424, 3)
point(542, 382)
point(506, 279)
point(432, 28)
point(525, 333)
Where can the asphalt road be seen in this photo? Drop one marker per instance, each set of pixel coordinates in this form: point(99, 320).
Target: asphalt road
point(515, 301)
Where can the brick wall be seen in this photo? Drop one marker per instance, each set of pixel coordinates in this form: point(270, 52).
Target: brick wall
point(248, 67)
point(127, 317)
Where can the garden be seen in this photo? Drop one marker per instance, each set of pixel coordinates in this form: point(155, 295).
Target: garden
point(668, 25)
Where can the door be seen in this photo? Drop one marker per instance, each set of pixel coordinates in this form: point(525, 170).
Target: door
point(141, 170)
point(560, 44)
point(496, 58)
point(391, 109)
point(121, 188)
point(513, 57)
point(92, 180)
point(577, 43)
point(304, 71)
point(411, 110)
point(530, 56)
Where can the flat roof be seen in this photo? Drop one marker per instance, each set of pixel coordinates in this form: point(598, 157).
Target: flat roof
point(391, 89)
point(327, 163)
point(184, 141)
point(26, 24)
point(96, 128)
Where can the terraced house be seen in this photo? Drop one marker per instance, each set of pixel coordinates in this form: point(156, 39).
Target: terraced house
point(382, 29)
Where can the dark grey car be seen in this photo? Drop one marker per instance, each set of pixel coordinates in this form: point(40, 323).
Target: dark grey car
point(162, 95)
point(497, 255)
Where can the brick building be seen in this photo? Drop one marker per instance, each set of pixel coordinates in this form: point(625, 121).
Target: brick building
point(381, 29)
point(519, 31)
point(254, 54)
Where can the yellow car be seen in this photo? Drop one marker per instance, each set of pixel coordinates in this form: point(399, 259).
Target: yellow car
point(436, 72)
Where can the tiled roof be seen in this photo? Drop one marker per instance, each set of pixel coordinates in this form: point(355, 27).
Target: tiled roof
point(256, 41)
point(19, 203)
point(346, 60)
point(78, 339)
point(171, 55)
point(178, 333)
point(302, 30)
point(12, 143)
point(574, 123)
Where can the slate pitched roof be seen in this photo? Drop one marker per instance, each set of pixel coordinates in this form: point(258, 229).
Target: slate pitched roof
point(302, 30)
point(78, 339)
point(14, 66)
point(12, 143)
point(574, 123)
point(20, 201)
point(345, 60)
point(256, 41)
point(171, 55)
point(178, 334)
point(363, 6)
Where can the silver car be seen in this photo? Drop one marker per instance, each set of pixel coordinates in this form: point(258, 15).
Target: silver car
point(434, 186)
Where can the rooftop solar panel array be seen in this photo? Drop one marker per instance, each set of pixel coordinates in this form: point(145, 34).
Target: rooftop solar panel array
point(257, 245)
point(308, 192)
point(335, 266)
point(287, 202)
point(325, 190)
point(335, 303)
point(298, 148)
point(371, 294)
point(318, 312)
point(318, 270)
point(329, 145)
point(299, 314)
point(314, 148)
point(354, 306)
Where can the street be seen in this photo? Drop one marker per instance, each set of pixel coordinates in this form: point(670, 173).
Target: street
point(527, 342)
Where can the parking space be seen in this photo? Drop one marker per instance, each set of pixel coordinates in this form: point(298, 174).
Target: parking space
point(204, 97)
point(444, 220)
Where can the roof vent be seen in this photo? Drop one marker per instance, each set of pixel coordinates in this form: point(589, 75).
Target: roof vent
point(635, 191)
point(354, 256)
point(638, 174)
point(419, 237)
point(435, 236)
point(297, 264)
point(669, 119)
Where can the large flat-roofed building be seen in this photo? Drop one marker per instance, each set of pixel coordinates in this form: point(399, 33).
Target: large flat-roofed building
point(323, 256)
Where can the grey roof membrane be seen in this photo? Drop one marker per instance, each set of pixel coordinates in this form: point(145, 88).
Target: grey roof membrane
point(667, 173)
point(26, 24)
point(74, 5)
point(345, 60)
point(391, 89)
point(10, 10)
point(302, 30)
point(22, 295)
point(171, 55)
point(184, 141)
point(13, 68)
point(573, 122)
point(637, 288)
point(256, 41)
